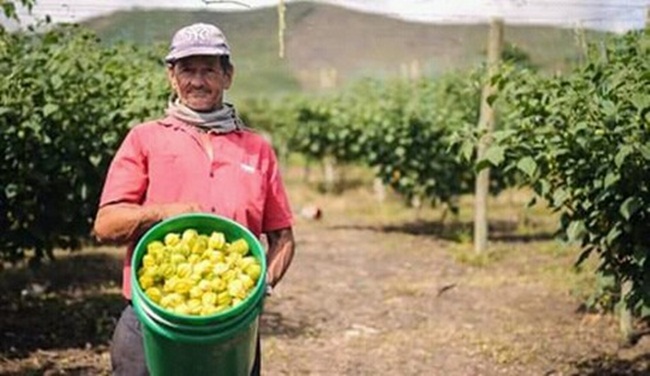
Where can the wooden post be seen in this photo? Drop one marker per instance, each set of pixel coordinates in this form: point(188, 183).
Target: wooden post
point(282, 10)
point(625, 315)
point(329, 172)
point(647, 18)
point(486, 125)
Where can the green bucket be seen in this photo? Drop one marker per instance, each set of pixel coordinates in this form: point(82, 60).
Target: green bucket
point(219, 344)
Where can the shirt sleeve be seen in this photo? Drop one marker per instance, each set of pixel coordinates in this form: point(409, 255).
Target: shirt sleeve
point(127, 178)
point(277, 211)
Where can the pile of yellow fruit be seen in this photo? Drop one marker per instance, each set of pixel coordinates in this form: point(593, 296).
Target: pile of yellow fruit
point(197, 274)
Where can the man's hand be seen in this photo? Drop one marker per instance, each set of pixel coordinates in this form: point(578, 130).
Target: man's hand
point(280, 254)
point(122, 223)
point(170, 210)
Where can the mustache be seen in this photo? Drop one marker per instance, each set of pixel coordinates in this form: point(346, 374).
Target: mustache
point(199, 91)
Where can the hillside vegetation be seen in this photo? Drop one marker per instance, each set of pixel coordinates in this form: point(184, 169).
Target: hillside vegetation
point(329, 46)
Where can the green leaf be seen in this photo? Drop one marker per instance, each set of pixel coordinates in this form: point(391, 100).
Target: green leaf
point(623, 152)
point(640, 101)
point(612, 235)
point(559, 197)
point(495, 155)
point(609, 108)
point(645, 150)
point(466, 150)
point(611, 179)
point(499, 136)
point(544, 188)
point(576, 230)
point(527, 165)
point(630, 206)
point(49, 109)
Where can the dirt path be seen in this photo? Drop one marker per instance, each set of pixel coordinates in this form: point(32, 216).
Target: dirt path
point(365, 302)
point(358, 300)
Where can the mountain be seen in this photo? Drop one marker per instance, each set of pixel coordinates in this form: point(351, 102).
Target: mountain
point(329, 46)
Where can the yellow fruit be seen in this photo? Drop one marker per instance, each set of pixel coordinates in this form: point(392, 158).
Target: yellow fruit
point(171, 300)
point(154, 294)
point(205, 285)
point(229, 275)
point(183, 286)
point(238, 246)
point(170, 284)
point(207, 310)
point(196, 292)
point(216, 256)
point(233, 259)
point(148, 261)
point(184, 270)
point(189, 235)
point(193, 258)
point(245, 262)
point(177, 258)
point(254, 271)
point(246, 280)
point(209, 298)
point(155, 245)
point(236, 289)
point(146, 282)
point(151, 271)
point(202, 267)
point(194, 306)
point(194, 278)
point(167, 270)
point(217, 240)
point(195, 274)
point(223, 298)
point(172, 239)
point(182, 309)
point(218, 285)
point(220, 268)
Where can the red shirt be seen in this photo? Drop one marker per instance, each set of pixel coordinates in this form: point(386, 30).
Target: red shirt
point(164, 161)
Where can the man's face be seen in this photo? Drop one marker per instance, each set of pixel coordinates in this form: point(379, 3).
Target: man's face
point(200, 82)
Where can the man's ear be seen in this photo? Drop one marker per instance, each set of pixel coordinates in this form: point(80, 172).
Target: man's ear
point(171, 76)
point(230, 75)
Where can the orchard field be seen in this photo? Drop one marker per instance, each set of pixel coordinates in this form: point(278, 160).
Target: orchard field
point(375, 289)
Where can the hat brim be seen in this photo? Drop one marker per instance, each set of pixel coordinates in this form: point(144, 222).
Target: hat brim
point(195, 51)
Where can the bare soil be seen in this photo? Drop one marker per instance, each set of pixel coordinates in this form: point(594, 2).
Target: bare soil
point(367, 294)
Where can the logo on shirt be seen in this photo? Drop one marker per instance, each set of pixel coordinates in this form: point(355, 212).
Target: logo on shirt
point(248, 168)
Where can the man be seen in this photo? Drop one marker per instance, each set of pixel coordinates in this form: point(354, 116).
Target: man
point(200, 158)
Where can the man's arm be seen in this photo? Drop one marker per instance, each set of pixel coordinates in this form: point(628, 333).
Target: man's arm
point(121, 222)
point(280, 254)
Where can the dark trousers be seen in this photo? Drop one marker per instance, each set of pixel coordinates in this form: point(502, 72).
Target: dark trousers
point(127, 348)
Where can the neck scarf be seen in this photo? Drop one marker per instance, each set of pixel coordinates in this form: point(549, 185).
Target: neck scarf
point(223, 120)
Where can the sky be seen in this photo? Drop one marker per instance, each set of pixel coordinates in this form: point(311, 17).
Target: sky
point(613, 15)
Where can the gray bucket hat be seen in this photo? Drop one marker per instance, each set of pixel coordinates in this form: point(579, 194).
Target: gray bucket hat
point(197, 39)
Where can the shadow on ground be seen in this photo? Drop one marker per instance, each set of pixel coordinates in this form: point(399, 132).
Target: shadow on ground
point(72, 302)
point(605, 365)
point(275, 324)
point(506, 231)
